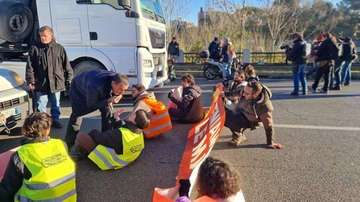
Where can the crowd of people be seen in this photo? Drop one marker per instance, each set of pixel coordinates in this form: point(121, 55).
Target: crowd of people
point(332, 62)
point(120, 142)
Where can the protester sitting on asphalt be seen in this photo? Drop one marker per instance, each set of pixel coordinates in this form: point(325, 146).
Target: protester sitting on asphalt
point(114, 149)
point(41, 169)
point(250, 73)
point(90, 91)
point(254, 107)
point(189, 106)
point(216, 179)
point(159, 116)
point(238, 83)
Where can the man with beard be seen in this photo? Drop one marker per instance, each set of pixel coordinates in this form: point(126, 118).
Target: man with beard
point(159, 116)
point(254, 107)
point(238, 83)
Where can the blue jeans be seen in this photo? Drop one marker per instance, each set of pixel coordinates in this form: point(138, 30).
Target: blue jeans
point(299, 75)
point(312, 70)
point(335, 74)
point(226, 71)
point(346, 72)
point(42, 100)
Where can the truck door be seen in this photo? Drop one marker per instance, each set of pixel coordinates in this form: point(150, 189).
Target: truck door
point(113, 34)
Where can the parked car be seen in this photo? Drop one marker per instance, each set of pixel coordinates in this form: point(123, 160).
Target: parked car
point(15, 103)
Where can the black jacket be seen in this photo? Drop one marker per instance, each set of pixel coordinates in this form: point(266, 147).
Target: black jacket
point(295, 54)
point(323, 50)
point(190, 105)
point(216, 55)
point(48, 67)
point(90, 91)
point(173, 49)
point(113, 138)
point(16, 172)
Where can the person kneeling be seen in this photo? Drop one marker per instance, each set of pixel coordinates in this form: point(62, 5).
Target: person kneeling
point(41, 169)
point(115, 149)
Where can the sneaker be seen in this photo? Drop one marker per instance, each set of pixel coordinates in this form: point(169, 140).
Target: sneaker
point(57, 124)
point(294, 93)
point(235, 141)
point(347, 84)
point(75, 155)
point(336, 88)
point(323, 91)
point(305, 92)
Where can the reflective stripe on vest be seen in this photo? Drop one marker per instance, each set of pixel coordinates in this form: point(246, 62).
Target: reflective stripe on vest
point(160, 121)
point(52, 173)
point(106, 158)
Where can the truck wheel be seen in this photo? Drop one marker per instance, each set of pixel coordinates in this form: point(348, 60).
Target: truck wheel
point(16, 21)
point(86, 66)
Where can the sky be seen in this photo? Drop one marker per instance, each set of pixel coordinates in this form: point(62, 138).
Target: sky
point(196, 4)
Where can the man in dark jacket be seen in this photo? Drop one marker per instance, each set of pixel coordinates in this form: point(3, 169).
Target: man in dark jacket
point(349, 55)
point(324, 62)
point(216, 55)
point(254, 107)
point(173, 50)
point(212, 46)
point(48, 71)
point(189, 107)
point(298, 64)
point(90, 91)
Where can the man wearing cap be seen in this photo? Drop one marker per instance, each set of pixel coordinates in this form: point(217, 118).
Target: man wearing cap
point(298, 64)
point(173, 50)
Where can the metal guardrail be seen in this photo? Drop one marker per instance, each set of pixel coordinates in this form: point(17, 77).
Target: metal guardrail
point(255, 57)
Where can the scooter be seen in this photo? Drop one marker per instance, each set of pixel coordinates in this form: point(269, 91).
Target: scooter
point(213, 69)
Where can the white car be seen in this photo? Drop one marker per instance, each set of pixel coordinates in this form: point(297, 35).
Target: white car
point(15, 104)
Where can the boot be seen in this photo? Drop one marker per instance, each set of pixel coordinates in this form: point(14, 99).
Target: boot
point(237, 138)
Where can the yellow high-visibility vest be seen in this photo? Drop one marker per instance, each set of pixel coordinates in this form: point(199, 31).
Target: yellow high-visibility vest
point(52, 173)
point(107, 159)
point(160, 121)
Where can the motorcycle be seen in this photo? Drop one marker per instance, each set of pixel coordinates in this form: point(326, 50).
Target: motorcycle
point(213, 68)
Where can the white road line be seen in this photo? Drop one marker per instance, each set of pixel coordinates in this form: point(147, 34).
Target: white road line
point(317, 127)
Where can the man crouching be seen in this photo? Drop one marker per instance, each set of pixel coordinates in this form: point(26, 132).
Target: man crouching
point(254, 107)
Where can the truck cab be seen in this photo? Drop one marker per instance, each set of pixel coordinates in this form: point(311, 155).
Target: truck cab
point(125, 36)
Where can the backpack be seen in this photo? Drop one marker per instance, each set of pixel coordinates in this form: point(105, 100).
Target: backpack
point(335, 51)
point(306, 52)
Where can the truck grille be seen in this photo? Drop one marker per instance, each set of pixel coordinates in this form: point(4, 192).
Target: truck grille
point(10, 103)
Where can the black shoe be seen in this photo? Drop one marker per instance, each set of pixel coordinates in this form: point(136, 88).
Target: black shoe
point(305, 92)
point(294, 93)
point(347, 84)
point(57, 124)
point(336, 88)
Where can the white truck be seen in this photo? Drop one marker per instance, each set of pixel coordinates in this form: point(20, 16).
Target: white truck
point(125, 36)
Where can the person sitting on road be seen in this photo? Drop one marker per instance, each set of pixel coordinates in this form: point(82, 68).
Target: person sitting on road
point(170, 70)
point(159, 117)
point(41, 169)
point(189, 107)
point(216, 179)
point(254, 107)
point(114, 149)
point(250, 73)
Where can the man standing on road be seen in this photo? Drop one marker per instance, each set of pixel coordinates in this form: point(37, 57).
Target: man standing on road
point(90, 91)
point(48, 71)
point(254, 107)
point(173, 50)
point(298, 64)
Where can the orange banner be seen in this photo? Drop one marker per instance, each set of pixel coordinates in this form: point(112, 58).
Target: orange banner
point(201, 140)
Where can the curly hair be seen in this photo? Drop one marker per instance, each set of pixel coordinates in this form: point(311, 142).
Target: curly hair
point(37, 125)
point(217, 178)
point(188, 78)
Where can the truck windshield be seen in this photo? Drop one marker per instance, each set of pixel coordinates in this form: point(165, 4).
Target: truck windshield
point(152, 9)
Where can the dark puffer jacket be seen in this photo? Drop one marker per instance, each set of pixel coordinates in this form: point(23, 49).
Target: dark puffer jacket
point(48, 67)
point(295, 54)
point(190, 105)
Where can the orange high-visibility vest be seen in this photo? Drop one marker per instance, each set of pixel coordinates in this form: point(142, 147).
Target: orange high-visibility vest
point(160, 121)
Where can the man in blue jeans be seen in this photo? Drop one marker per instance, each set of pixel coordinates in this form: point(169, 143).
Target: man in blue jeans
point(298, 64)
point(48, 72)
point(349, 54)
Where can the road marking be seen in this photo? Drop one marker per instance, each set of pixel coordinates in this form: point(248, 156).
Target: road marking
point(317, 127)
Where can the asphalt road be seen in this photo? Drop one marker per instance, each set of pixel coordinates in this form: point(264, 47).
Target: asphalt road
point(320, 162)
